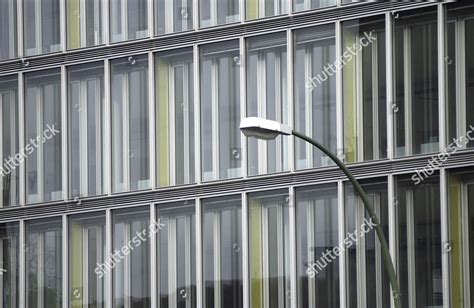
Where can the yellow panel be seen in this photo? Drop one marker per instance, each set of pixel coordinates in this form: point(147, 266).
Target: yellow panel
point(162, 116)
point(252, 9)
point(76, 249)
point(73, 24)
point(350, 101)
point(256, 252)
point(455, 200)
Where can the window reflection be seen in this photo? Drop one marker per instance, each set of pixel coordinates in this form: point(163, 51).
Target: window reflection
point(269, 249)
point(267, 98)
point(86, 254)
point(84, 23)
point(41, 24)
point(130, 129)
point(131, 275)
point(8, 24)
point(9, 181)
point(222, 252)
point(173, 16)
point(85, 118)
point(315, 101)
point(128, 19)
point(416, 85)
point(175, 117)
point(316, 231)
point(43, 135)
point(44, 263)
point(9, 265)
point(176, 259)
point(220, 111)
point(218, 12)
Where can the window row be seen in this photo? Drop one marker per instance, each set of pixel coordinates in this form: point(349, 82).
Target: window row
point(160, 119)
point(85, 21)
point(263, 259)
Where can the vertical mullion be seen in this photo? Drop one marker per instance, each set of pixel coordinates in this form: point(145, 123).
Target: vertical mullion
point(199, 250)
point(245, 251)
point(151, 18)
point(407, 87)
point(197, 115)
point(39, 158)
point(445, 238)
point(262, 109)
point(442, 78)
point(172, 257)
point(339, 106)
point(19, 15)
point(99, 139)
point(2, 192)
point(361, 253)
point(2, 269)
point(359, 142)
point(461, 78)
point(62, 24)
point(21, 137)
point(217, 259)
point(65, 261)
point(375, 102)
point(265, 271)
point(186, 128)
point(41, 266)
point(22, 265)
point(411, 249)
point(127, 151)
point(393, 203)
point(389, 83)
point(311, 252)
point(465, 244)
point(152, 119)
point(378, 257)
point(107, 130)
point(215, 118)
point(83, 133)
point(169, 19)
point(290, 68)
point(124, 11)
point(343, 256)
point(108, 251)
point(153, 258)
point(243, 104)
point(292, 240)
point(39, 27)
point(85, 265)
point(64, 133)
point(308, 107)
point(82, 23)
point(187, 257)
point(172, 126)
point(278, 112)
point(105, 21)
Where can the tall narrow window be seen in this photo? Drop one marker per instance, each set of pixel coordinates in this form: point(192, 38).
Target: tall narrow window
point(9, 265)
point(416, 85)
point(86, 261)
point(8, 32)
point(303, 5)
point(269, 249)
point(85, 94)
point(220, 111)
point(41, 26)
point(315, 94)
point(419, 236)
point(266, 8)
point(128, 19)
point(84, 23)
point(460, 80)
point(173, 16)
point(9, 171)
point(368, 282)
point(218, 12)
point(317, 231)
point(176, 258)
point(175, 117)
point(130, 118)
point(267, 98)
point(44, 263)
point(364, 90)
point(43, 136)
point(222, 252)
point(131, 258)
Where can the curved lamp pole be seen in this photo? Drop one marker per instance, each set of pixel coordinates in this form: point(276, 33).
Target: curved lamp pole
point(267, 130)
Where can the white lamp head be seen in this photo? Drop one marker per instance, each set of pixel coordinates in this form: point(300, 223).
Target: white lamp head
point(263, 129)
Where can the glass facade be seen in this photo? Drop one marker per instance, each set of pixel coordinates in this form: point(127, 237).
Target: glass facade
point(128, 20)
point(173, 16)
point(218, 12)
point(8, 32)
point(265, 8)
point(84, 23)
point(10, 265)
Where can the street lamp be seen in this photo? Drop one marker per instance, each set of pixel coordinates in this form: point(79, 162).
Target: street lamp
point(267, 130)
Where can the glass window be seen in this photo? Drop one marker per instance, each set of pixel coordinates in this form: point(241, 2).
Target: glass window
point(266, 8)
point(8, 32)
point(220, 111)
point(218, 12)
point(84, 23)
point(131, 257)
point(222, 252)
point(267, 98)
point(364, 90)
point(368, 283)
point(460, 77)
point(43, 136)
point(128, 19)
point(419, 236)
point(173, 16)
point(41, 26)
point(269, 249)
point(315, 94)
point(10, 162)
point(130, 129)
point(86, 96)
point(470, 238)
point(416, 85)
point(303, 5)
point(86, 260)
point(9, 265)
point(174, 92)
point(176, 258)
point(317, 231)
point(44, 263)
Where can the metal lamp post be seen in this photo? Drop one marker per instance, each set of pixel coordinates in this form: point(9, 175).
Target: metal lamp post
point(267, 130)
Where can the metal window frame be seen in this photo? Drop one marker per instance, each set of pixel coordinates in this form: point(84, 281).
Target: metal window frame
point(13, 282)
point(467, 280)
